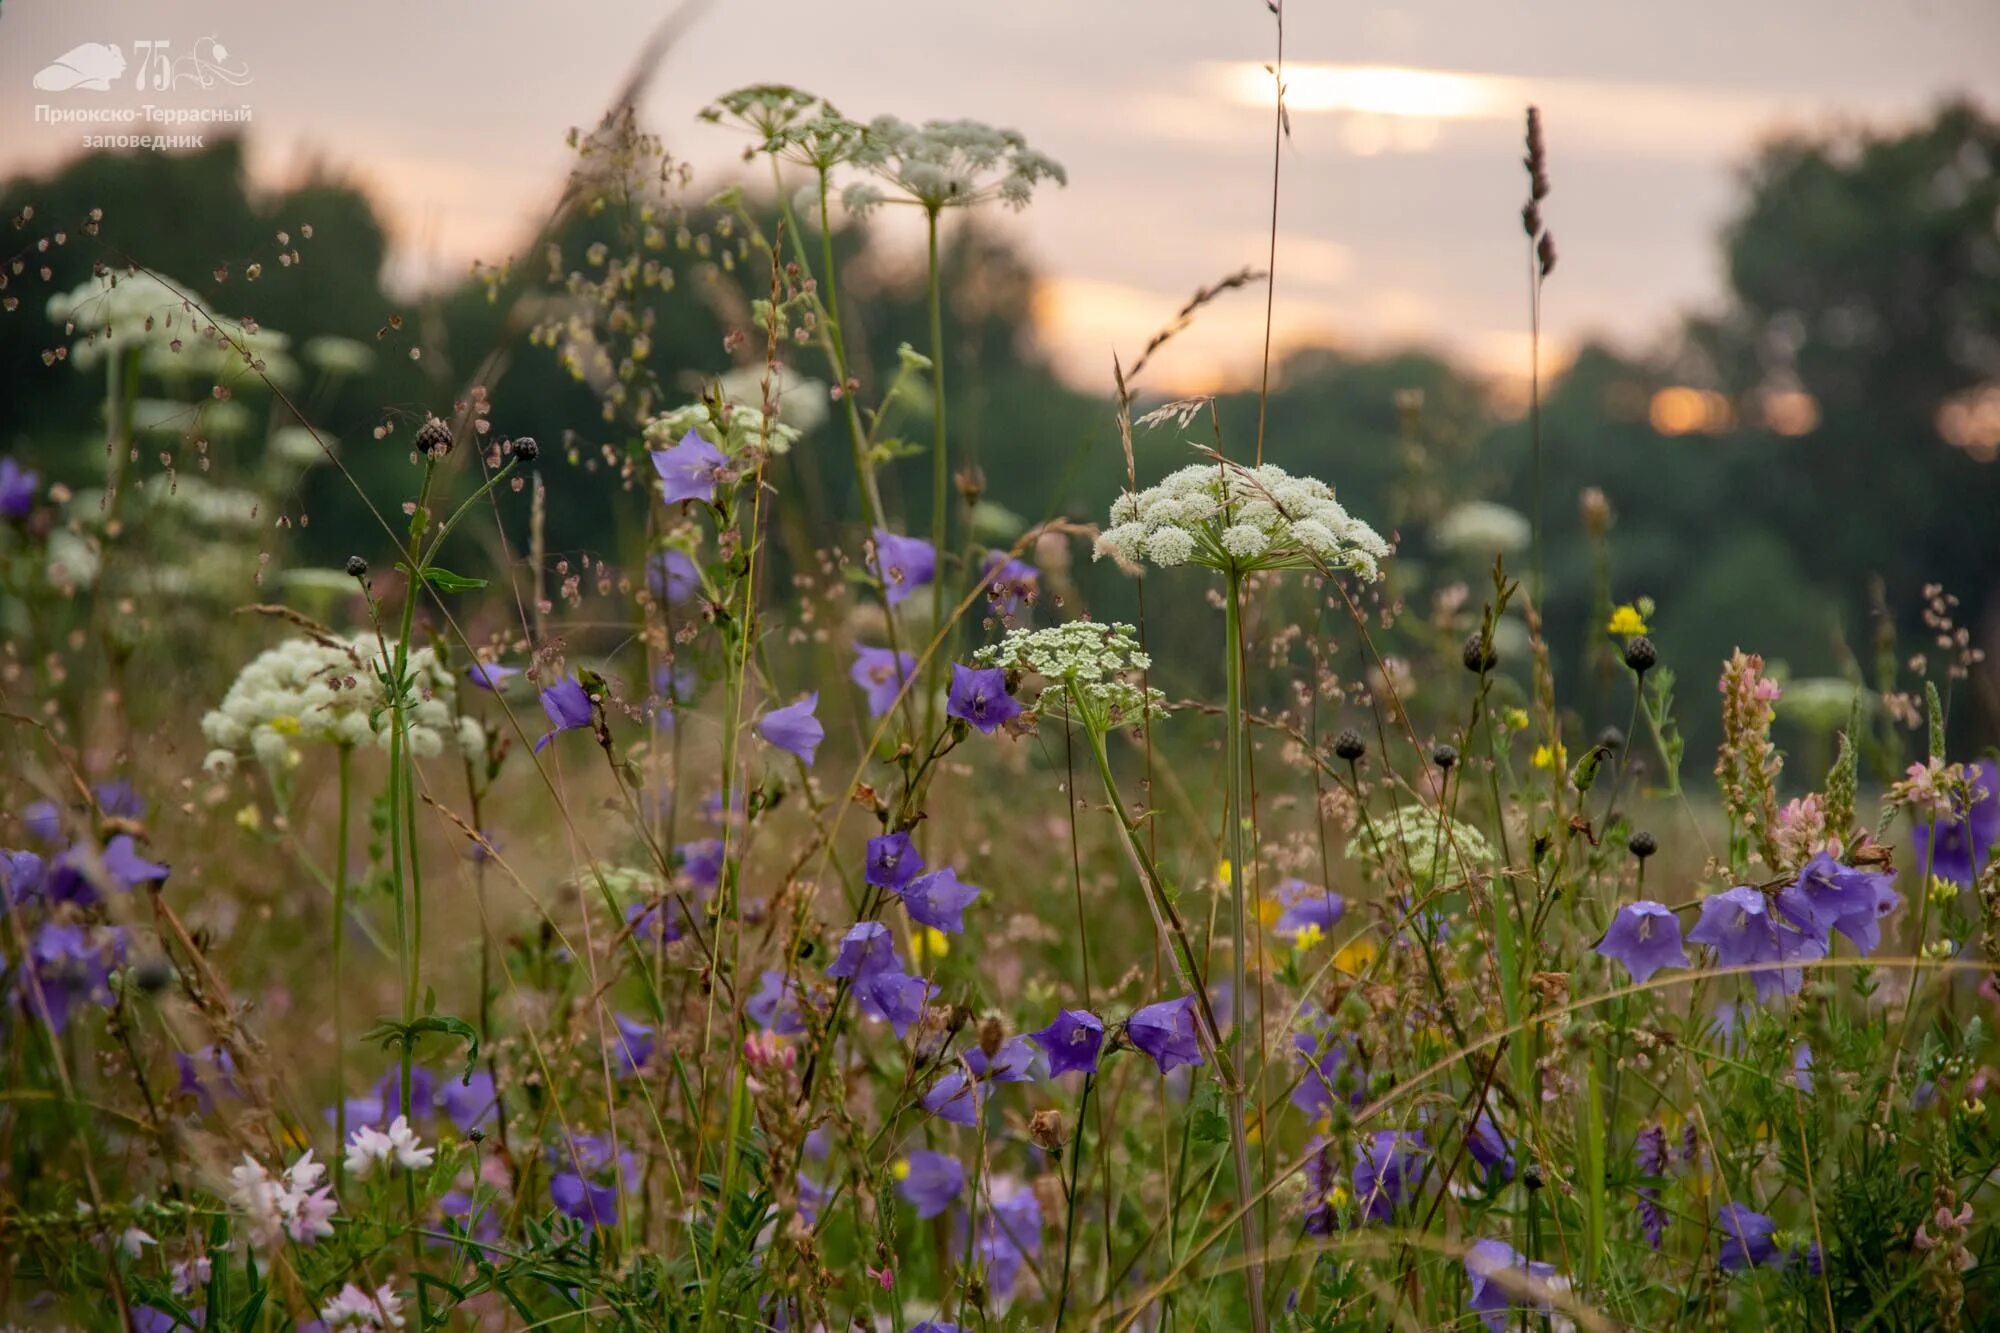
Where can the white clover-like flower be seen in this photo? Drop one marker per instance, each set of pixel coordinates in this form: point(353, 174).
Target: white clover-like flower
point(296, 1206)
point(352, 1307)
point(1227, 517)
point(308, 691)
point(369, 1148)
point(1096, 663)
point(952, 164)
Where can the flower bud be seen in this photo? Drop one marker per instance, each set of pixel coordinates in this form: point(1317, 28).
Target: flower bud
point(1046, 1129)
point(433, 439)
point(357, 568)
point(1479, 654)
point(1642, 844)
point(1640, 655)
point(1349, 745)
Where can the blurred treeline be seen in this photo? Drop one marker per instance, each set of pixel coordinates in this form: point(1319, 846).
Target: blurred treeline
point(1864, 270)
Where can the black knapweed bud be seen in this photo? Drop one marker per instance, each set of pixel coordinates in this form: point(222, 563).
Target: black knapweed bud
point(1611, 739)
point(433, 438)
point(1349, 745)
point(1640, 654)
point(357, 568)
point(1532, 1179)
point(1479, 655)
point(1641, 844)
point(1444, 756)
point(153, 975)
point(526, 450)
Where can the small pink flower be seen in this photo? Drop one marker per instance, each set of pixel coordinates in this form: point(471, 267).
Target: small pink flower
point(885, 1276)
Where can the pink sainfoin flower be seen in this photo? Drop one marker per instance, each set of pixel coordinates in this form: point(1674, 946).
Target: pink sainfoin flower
point(294, 1205)
point(1747, 766)
point(1801, 830)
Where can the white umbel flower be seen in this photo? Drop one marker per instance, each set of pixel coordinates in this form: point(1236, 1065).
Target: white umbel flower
point(1227, 517)
point(1096, 662)
point(305, 690)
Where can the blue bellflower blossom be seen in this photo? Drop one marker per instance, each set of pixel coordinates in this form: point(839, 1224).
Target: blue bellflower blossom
point(1320, 1059)
point(568, 705)
point(939, 900)
point(671, 575)
point(775, 1004)
point(1166, 1031)
point(1746, 1238)
point(491, 676)
point(1957, 849)
point(1645, 936)
point(586, 1179)
point(1501, 1279)
point(1010, 1233)
point(1828, 896)
point(793, 728)
point(701, 861)
point(688, 470)
point(930, 1181)
point(1738, 925)
point(472, 1103)
point(17, 490)
point(71, 964)
point(1307, 907)
point(894, 997)
point(893, 862)
point(979, 698)
point(1072, 1042)
point(1387, 1172)
point(880, 672)
point(1007, 580)
point(633, 1046)
point(866, 949)
point(955, 1098)
point(904, 564)
point(1491, 1149)
point(1015, 1062)
point(1322, 1177)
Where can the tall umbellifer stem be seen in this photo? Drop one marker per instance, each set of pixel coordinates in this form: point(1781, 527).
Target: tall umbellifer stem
point(939, 463)
point(346, 762)
point(1232, 612)
point(1167, 918)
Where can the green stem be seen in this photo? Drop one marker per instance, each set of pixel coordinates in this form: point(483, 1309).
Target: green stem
point(940, 469)
point(1167, 918)
point(346, 763)
point(1232, 612)
point(1075, 1188)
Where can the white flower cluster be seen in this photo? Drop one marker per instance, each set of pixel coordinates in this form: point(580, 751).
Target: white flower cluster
point(353, 1307)
point(1412, 837)
point(1481, 528)
point(295, 1205)
point(1094, 661)
point(1223, 516)
point(733, 427)
point(305, 690)
point(950, 164)
point(368, 1148)
point(801, 402)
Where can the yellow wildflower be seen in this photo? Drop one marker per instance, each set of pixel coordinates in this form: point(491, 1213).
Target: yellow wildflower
point(1308, 935)
point(1356, 955)
point(1515, 718)
point(1551, 758)
point(932, 943)
point(901, 1170)
point(1627, 621)
point(249, 819)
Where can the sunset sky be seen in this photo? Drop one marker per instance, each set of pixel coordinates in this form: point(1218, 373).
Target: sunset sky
point(1401, 183)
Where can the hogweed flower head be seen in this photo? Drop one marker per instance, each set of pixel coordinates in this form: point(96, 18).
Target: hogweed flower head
point(1085, 666)
point(1227, 517)
point(1413, 838)
point(949, 164)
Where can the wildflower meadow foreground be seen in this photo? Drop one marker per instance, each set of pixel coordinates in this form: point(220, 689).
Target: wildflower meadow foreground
point(797, 908)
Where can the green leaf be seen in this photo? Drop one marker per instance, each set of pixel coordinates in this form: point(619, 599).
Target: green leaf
point(1206, 1121)
point(393, 1033)
point(446, 581)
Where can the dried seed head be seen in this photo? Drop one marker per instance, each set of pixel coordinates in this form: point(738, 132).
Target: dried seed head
point(991, 1034)
point(1479, 655)
point(434, 438)
point(1045, 1127)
